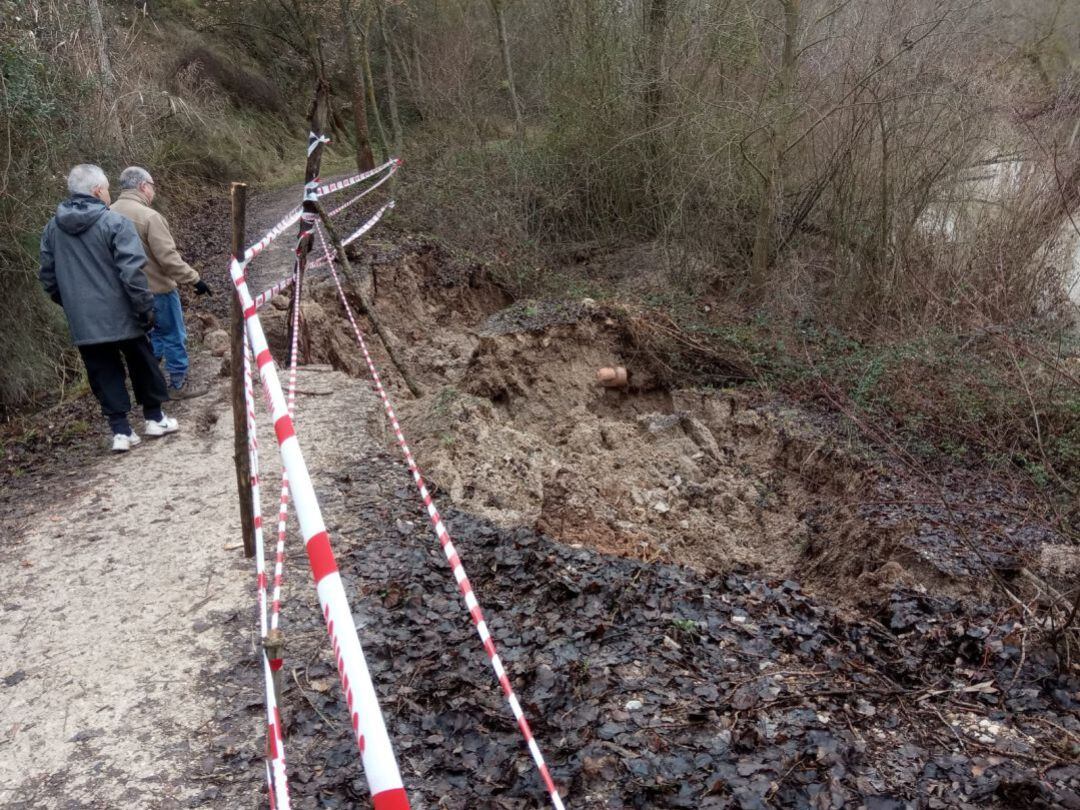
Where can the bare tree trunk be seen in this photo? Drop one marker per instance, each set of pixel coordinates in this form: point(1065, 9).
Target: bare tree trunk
point(306, 22)
point(364, 158)
point(339, 130)
point(97, 27)
point(391, 84)
point(772, 183)
point(108, 79)
point(403, 60)
point(419, 67)
point(369, 80)
point(508, 66)
point(656, 14)
point(884, 214)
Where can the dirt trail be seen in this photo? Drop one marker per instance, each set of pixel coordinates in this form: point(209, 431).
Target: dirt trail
point(116, 600)
point(128, 610)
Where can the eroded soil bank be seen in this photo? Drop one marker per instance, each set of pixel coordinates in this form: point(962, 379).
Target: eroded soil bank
point(514, 427)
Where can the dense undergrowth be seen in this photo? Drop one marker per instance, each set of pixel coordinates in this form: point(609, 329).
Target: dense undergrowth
point(961, 389)
point(919, 236)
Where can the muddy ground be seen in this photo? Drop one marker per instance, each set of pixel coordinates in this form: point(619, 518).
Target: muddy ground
point(706, 598)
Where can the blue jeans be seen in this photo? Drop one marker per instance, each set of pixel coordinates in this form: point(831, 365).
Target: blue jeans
point(169, 336)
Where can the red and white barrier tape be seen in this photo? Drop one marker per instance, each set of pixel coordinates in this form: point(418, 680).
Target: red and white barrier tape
point(290, 219)
point(266, 295)
point(471, 603)
point(366, 191)
point(380, 764)
point(330, 188)
point(367, 226)
point(283, 508)
point(348, 182)
point(275, 746)
point(283, 501)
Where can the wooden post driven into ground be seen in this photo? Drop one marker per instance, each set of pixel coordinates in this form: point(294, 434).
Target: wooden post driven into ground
point(238, 197)
point(365, 306)
point(311, 173)
point(274, 642)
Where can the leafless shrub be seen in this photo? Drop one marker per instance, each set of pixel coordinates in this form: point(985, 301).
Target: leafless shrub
point(59, 106)
point(679, 119)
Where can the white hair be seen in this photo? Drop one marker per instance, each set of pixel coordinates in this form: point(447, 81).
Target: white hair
point(85, 177)
point(134, 176)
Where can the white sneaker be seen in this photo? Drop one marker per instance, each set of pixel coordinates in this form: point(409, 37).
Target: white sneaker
point(121, 443)
point(166, 425)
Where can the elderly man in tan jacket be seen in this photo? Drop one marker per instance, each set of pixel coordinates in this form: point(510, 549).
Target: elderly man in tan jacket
point(164, 270)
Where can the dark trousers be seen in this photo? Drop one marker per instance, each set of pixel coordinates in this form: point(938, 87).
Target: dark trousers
point(105, 369)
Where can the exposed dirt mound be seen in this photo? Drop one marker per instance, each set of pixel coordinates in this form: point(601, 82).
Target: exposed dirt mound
point(528, 437)
point(515, 428)
point(426, 297)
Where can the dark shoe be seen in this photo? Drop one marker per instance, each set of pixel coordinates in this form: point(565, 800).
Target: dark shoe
point(186, 391)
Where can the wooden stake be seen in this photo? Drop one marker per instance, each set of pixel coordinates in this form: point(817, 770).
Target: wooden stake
point(241, 459)
point(365, 306)
point(317, 123)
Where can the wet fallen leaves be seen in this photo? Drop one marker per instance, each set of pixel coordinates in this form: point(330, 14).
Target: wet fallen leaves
point(651, 686)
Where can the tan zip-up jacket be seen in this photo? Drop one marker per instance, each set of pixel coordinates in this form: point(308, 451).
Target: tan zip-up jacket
point(164, 267)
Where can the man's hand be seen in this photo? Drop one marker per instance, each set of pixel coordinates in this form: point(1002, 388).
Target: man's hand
point(201, 288)
point(146, 320)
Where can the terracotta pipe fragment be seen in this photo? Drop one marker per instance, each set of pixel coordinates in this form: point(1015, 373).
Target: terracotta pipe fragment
point(612, 377)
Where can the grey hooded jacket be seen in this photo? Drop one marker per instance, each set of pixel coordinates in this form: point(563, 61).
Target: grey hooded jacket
point(91, 264)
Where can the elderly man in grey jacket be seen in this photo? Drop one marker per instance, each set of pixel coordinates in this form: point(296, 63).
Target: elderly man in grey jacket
point(92, 265)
